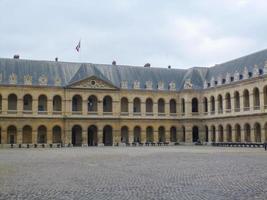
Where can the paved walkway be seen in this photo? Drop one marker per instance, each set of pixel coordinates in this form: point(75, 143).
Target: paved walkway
point(183, 172)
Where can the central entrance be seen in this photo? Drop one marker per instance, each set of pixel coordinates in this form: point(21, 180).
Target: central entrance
point(92, 136)
point(76, 136)
point(195, 136)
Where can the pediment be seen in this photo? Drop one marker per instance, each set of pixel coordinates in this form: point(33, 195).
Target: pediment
point(92, 83)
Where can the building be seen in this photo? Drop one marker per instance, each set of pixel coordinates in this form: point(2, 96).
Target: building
point(51, 102)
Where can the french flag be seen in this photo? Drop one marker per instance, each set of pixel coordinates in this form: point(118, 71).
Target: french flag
point(78, 46)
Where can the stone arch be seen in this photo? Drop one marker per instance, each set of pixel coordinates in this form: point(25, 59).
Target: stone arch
point(213, 133)
point(149, 134)
point(124, 134)
point(183, 105)
point(57, 135)
point(107, 104)
point(12, 102)
point(237, 133)
point(173, 134)
point(195, 134)
point(27, 102)
point(220, 103)
point(212, 103)
point(27, 134)
point(172, 106)
point(107, 136)
point(161, 106)
point(247, 132)
point(228, 105)
point(206, 134)
point(137, 134)
point(149, 105)
point(92, 103)
point(137, 105)
point(76, 135)
point(183, 136)
point(12, 134)
point(77, 103)
point(256, 98)
point(194, 105)
point(220, 133)
point(257, 132)
point(161, 134)
point(92, 136)
point(228, 133)
point(42, 135)
point(124, 105)
point(57, 103)
point(42, 103)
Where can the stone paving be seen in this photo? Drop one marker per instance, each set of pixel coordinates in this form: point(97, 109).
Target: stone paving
point(180, 172)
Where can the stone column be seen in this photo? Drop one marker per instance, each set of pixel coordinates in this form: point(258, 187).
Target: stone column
point(34, 136)
point(167, 135)
point(261, 101)
point(100, 136)
point(116, 136)
point(167, 108)
point(188, 134)
point(143, 108)
point(84, 137)
point(251, 101)
point(241, 97)
point(130, 108)
point(20, 106)
point(4, 105)
point(210, 134)
point(19, 136)
point(84, 107)
point(156, 135)
point(4, 136)
point(50, 106)
point(188, 109)
point(131, 135)
point(35, 106)
point(143, 135)
point(49, 136)
point(155, 108)
point(100, 107)
point(217, 135)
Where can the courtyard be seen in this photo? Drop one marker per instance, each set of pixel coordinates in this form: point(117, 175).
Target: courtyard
point(178, 172)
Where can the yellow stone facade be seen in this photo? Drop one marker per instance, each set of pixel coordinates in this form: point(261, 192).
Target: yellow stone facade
point(93, 112)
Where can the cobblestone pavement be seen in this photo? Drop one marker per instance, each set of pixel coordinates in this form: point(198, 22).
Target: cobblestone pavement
point(183, 172)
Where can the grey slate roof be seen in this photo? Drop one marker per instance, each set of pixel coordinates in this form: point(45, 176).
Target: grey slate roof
point(70, 73)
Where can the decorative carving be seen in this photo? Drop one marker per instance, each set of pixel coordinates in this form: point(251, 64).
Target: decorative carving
point(92, 83)
point(256, 71)
point(172, 86)
point(124, 84)
point(149, 85)
point(27, 80)
point(265, 68)
point(188, 84)
point(228, 78)
point(136, 84)
point(13, 78)
point(57, 81)
point(212, 82)
point(42, 80)
point(245, 73)
point(236, 76)
point(161, 85)
point(205, 84)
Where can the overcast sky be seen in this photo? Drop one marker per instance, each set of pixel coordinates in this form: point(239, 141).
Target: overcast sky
point(179, 33)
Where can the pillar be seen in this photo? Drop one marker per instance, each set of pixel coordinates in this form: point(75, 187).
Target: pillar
point(49, 136)
point(84, 137)
point(34, 136)
point(49, 107)
point(100, 136)
point(19, 136)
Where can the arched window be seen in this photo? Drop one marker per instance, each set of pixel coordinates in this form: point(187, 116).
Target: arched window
point(206, 134)
point(173, 133)
point(161, 106)
point(228, 105)
point(195, 135)
point(42, 103)
point(212, 104)
point(137, 134)
point(220, 133)
point(124, 105)
point(76, 135)
point(124, 134)
point(12, 102)
point(246, 100)
point(107, 104)
point(237, 101)
point(183, 136)
point(205, 105)
point(107, 136)
point(161, 132)
point(213, 133)
point(12, 135)
point(183, 106)
point(42, 135)
point(194, 105)
point(56, 134)
point(57, 105)
point(92, 135)
point(247, 131)
point(77, 103)
point(149, 134)
point(92, 104)
point(220, 104)
point(172, 106)
point(137, 106)
point(149, 106)
point(229, 133)
point(256, 98)
point(27, 102)
point(237, 133)
point(27, 135)
point(257, 132)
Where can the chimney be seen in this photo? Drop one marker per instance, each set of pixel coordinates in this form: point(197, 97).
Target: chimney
point(169, 67)
point(16, 56)
point(56, 59)
point(113, 62)
point(147, 65)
